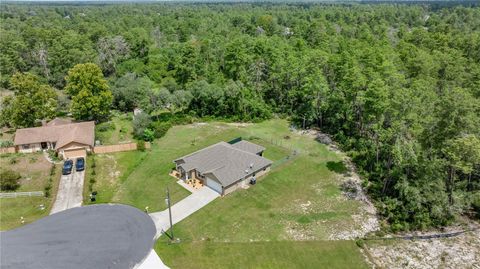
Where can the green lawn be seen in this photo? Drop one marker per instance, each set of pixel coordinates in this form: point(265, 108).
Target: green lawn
point(35, 171)
point(288, 213)
point(298, 200)
point(117, 130)
point(283, 254)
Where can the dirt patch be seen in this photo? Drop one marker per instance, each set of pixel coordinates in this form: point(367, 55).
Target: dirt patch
point(34, 169)
point(240, 124)
point(366, 220)
point(113, 173)
point(462, 251)
point(297, 232)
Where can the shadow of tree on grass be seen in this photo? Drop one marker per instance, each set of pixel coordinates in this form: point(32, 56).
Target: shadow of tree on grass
point(337, 167)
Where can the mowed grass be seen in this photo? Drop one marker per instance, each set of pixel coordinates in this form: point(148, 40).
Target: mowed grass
point(35, 172)
point(140, 178)
point(298, 200)
point(273, 255)
point(281, 222)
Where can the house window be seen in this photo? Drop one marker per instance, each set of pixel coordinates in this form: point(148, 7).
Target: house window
point(26, 146)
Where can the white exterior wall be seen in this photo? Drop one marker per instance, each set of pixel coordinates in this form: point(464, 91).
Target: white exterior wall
point(31, 148)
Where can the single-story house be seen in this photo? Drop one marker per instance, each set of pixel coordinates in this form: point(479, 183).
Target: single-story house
point(67, 138)
point(224, 167)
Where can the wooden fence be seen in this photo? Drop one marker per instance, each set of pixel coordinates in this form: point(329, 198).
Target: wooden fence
point(20, 194)
point(8, 150)
point(118, 148)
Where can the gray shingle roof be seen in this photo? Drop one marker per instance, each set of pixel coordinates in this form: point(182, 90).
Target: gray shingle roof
point(224, 161)
point(248, 147)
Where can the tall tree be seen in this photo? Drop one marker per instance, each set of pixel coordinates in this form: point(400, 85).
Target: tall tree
point(90, 93)
point(32, 101)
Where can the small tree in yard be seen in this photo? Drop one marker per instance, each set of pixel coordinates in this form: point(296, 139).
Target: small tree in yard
point(148, 135)
point(9, 180)
point(141, 122)
point(141, 145)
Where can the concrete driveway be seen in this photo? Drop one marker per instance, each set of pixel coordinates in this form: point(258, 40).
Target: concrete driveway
point(183, 209)
point(70, 192)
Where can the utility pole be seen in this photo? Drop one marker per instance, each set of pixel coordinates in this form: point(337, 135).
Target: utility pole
point(170, 214)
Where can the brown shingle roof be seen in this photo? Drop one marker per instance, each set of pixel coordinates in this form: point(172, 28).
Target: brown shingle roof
point(82, 132)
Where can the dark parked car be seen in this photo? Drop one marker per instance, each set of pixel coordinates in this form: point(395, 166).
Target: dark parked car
point(67, 167)
point(80, 164)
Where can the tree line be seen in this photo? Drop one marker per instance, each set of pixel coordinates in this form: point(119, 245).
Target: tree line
point(397, 86)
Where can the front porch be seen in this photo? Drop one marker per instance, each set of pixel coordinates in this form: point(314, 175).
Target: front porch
point(191, 179)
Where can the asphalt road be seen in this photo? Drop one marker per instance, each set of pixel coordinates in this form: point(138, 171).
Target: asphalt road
point(96, 236)
point(70, 192)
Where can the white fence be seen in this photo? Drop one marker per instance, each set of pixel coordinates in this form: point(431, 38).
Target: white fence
point(20, 194)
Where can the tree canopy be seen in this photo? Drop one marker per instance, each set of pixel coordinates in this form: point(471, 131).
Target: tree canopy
point(396, 85)
point(91, 95)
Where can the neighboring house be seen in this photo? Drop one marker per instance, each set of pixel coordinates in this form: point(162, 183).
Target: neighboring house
point(68, 139)
point(224, 167)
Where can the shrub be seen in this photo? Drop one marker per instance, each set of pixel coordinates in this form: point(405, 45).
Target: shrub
point(141, 145)
point(13, 160)
point(141, 122)
point(52, 169)
point(476, 204)
point(9, 180)
point(106, 126)
point(53, 155)
point(6, 143)
point(47, 190)
point(360, 243)
point(148, 135)
point(160, 128)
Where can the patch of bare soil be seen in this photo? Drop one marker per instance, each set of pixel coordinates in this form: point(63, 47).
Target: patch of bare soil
point(366, 220)
point(112, 168)
point(239, 124)
point(462, 251)
point(298, 232)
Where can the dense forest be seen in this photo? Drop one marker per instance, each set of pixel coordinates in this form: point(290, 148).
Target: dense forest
point(397, 86)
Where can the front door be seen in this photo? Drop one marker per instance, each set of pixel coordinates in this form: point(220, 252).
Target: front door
point(44, 145)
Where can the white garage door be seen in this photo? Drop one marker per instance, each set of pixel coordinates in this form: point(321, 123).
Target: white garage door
point(74, 153)
point(214, 185)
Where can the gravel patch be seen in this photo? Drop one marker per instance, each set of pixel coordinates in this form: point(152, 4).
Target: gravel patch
point(458, 252)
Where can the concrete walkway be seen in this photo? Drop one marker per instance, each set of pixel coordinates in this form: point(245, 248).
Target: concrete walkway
point(152, 261)
point(70, 192)
point(184, 208)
